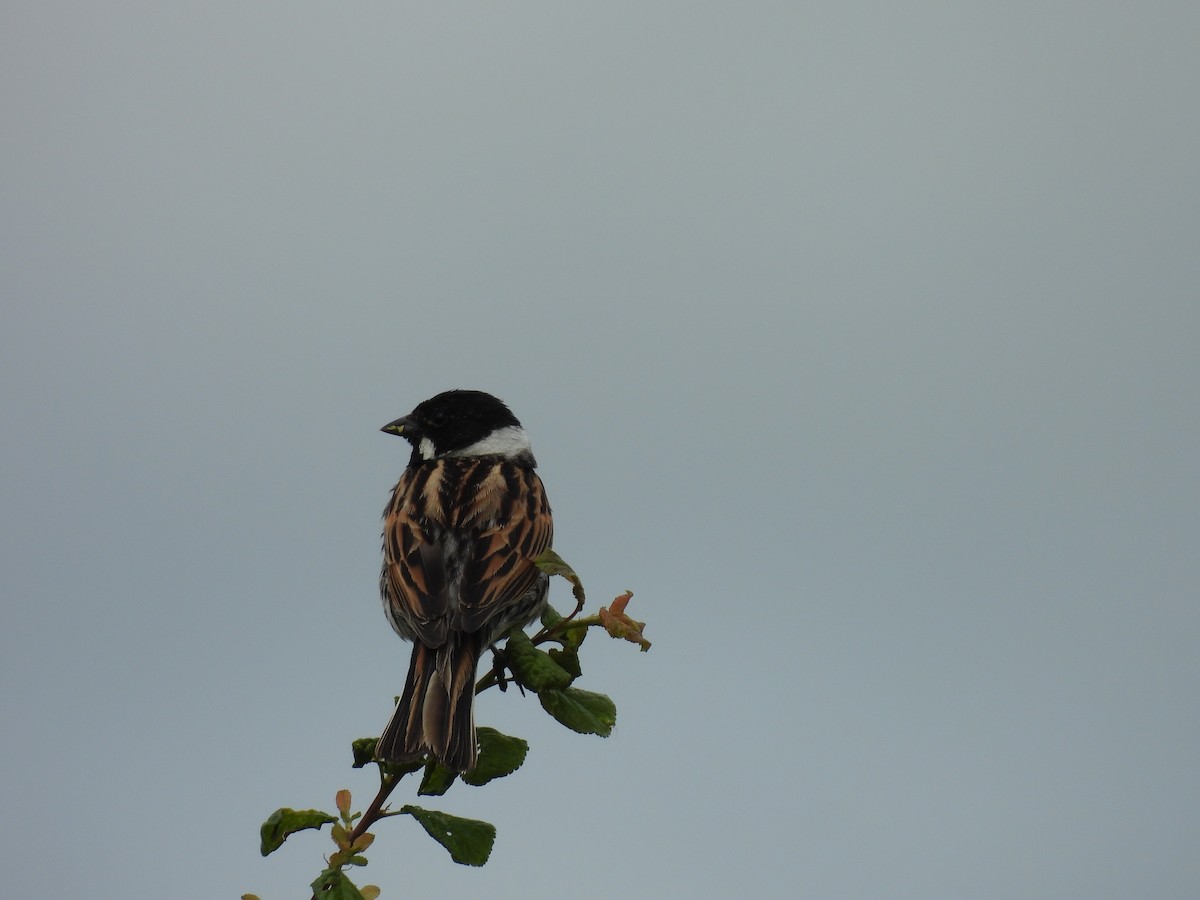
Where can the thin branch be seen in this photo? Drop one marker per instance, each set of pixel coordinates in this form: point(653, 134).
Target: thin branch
point(375, 811)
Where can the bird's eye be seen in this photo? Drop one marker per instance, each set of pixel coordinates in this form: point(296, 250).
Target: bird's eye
point(438, 418)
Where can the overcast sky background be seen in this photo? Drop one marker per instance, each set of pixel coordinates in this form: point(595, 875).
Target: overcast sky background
point(860, 340)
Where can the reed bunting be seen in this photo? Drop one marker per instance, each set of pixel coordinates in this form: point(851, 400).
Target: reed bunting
point(465, 522)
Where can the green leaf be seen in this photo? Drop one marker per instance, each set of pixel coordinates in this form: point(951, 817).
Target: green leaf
point(584, 711)
point(567, 659)
point(550, 616)
point(533, 667)
point(437, 780)
point(286, 821)
point(340, 835)
point(362, 842)
point(332, 884)
point(364, 751)
point(553, 564)
point(569, 637)
point(499, 755)
point(468, 840)
point(572, 638)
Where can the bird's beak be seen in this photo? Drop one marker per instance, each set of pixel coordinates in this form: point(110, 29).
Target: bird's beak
point(403, 426)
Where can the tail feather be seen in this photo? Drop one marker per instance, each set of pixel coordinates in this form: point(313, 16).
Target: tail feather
point(435, 714)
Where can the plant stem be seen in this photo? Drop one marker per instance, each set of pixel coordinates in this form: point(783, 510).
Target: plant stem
point(387, 784)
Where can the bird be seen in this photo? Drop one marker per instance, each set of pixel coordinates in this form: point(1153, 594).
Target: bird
point(465, 523)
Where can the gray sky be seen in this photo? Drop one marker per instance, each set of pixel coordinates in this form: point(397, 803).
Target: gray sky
point(858, 339)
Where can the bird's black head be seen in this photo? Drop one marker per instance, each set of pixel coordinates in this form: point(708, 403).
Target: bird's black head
point(462, 423)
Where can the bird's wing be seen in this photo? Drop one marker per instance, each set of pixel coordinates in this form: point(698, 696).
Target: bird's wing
point(500, 567)
point(414, 571)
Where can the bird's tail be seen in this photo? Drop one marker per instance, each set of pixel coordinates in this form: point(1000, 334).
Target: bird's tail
point(435, 715)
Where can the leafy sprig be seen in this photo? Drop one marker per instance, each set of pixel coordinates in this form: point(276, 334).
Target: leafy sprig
point(549, 673)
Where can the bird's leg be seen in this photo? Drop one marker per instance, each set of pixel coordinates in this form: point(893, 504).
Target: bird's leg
point(499, 668)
